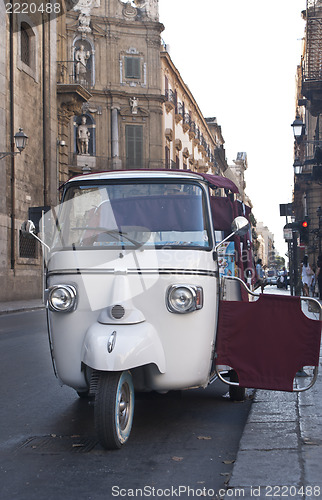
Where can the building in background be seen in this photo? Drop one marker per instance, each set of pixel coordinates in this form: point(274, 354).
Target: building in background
point(266, 248)
point(307, 201)
point(27, 101)
point(236, 173)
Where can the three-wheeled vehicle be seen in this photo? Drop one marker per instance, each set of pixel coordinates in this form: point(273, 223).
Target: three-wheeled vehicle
point(134, 264)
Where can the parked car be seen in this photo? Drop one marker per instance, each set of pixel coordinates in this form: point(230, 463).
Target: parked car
point(271, 277)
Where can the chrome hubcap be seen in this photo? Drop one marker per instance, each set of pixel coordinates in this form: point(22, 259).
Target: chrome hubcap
point(124, 406)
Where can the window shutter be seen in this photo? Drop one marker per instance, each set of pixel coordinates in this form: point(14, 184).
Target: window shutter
point(133, 67)
point(25, 44)
point(134, 146)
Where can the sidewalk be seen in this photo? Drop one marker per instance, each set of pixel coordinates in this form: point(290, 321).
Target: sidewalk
point(20, 306)
point(280, 453)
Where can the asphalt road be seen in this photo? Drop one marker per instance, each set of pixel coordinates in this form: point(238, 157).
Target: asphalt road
point(48, 448)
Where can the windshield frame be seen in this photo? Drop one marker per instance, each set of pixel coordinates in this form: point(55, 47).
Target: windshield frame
point(74, 184)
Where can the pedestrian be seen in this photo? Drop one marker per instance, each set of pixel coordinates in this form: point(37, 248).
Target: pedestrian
point(307, 276)
point(283, 278)
point(260, 275)
point(319, 275)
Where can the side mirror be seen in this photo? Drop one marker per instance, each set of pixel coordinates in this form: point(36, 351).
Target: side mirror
point(28, 229)
point(240, 226)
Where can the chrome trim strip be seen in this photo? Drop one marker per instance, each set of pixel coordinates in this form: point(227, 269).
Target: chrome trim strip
point(201, 272)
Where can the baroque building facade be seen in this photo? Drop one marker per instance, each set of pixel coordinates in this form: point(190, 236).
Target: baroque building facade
point(141, 114)
point(114, 50)
point(95, 89)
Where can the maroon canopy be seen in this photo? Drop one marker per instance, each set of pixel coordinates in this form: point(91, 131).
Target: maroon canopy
point(217, 181)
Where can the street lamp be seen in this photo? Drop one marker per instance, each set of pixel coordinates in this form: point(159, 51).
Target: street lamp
point(297, 127)
point(20, 141)
point(298, 166)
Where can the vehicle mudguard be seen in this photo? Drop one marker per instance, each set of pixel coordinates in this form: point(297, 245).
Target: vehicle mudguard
point(122, 347)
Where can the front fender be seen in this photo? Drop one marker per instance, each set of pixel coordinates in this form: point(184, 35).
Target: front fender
point(135, 345)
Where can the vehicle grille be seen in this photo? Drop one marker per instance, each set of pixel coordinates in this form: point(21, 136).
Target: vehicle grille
point(117, 311)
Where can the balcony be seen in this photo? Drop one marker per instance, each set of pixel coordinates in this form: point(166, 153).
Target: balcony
point(311, 67)
point(72, 90)
point(202, 144)
point(186, 122)
point(170, 100)
point(192, 131)
point(67, 74)
point(179, 112)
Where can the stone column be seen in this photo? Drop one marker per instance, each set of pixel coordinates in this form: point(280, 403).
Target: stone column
point(116, 161)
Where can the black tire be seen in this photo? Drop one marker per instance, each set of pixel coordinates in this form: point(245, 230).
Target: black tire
point(236, 393)
point(114, 407)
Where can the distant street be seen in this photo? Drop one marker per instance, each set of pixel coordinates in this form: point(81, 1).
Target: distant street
point(47, 442)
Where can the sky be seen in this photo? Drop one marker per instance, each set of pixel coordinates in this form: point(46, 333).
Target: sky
point(239, 59)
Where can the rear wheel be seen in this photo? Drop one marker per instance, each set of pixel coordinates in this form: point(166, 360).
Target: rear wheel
point(236, 393)
point(114, 407)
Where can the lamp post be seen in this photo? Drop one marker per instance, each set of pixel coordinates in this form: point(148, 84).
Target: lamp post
point(20, 141)
point(298, 166)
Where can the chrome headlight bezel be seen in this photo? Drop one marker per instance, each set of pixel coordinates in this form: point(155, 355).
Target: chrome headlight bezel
point(192, 298)
point(68, 298)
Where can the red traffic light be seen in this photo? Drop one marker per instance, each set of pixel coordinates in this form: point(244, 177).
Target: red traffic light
point(304, 223)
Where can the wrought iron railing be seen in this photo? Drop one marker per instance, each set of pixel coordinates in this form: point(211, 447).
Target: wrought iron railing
point(69, 73)
point(170, 96)
point(179, 108)
point(312, 64)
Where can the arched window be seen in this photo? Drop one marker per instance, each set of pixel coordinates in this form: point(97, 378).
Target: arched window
point(27, 45)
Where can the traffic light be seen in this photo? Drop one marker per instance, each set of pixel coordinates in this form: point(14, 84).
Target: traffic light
point(304, 230)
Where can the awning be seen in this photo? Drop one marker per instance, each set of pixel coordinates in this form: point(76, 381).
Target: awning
point(217, 181)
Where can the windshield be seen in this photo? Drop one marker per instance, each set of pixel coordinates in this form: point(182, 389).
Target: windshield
point(124, 215)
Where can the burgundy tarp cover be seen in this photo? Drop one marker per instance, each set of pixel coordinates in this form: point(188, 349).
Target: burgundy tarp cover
point(266, 342)
point(222, 213)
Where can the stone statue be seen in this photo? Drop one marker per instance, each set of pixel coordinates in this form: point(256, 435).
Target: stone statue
point(81, 57)
point(84, 20)
point(134, 105)
point(83, 136)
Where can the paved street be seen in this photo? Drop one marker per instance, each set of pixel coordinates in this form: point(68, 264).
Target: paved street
point(48, 447)
point(48, 438)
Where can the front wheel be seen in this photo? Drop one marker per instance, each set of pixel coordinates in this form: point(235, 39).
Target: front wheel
point(114, 407)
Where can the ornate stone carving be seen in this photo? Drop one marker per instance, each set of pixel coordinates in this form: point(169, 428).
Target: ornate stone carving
point(134, 105)
point(70, 99)
point(84, 20)
point(129, 11)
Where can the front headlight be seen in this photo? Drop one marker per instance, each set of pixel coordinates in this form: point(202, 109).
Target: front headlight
point(62, 298)
point(184, 298)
